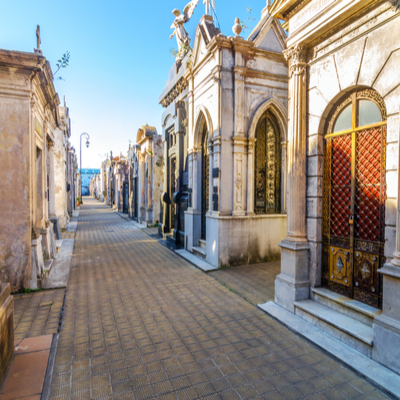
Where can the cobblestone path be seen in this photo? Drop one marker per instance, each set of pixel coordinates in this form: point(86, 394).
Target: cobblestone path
point(37, 313)
point(255, 283)
point(141, 323)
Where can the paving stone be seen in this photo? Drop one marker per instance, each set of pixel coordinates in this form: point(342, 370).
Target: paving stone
point(141, 323)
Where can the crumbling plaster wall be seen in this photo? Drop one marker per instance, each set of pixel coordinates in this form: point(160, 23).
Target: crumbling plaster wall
point(15, 191)
point(60, 178)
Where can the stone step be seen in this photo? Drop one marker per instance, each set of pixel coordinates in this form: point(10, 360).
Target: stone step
point(352, 308)
point(354, 333)
point(202, 243)
point(199, 252)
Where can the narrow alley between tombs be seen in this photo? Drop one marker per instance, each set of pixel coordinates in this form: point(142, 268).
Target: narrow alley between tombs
point(140, 322)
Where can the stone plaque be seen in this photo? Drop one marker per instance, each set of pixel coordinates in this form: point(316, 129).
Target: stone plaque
point(308, 12)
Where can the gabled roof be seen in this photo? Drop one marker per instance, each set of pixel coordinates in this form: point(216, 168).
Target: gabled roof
point(205, 32)
point(268, 34)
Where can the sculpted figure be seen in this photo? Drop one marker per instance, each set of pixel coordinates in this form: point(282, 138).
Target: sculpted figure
point(182, 37)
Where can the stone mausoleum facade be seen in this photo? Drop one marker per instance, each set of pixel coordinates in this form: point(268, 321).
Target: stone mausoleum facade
point(33, 155)
point(237, 112)
point(224, 131)
point(145, 160)
point(340, 266)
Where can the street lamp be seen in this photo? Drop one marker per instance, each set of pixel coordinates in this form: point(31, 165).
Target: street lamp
point(80, 150)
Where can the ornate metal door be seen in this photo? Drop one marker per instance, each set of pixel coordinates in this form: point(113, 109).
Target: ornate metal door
point(354, 196)
point(267, 166)
point(205, 183)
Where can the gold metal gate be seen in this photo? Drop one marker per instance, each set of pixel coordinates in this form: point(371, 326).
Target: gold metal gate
point(354, 196)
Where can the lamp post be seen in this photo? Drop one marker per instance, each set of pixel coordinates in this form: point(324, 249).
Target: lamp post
point(80, 150)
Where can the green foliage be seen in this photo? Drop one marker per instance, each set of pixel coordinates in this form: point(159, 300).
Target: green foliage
point(62, 63)
point(247, 20)
point(78, 200)
point(174, 53)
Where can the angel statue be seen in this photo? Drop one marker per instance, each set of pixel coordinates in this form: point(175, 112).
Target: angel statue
point(182, 37)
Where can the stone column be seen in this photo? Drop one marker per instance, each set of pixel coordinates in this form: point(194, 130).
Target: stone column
point(250, 176)
point(195, 193)
point(293, 284)
point(210, 175)
point(387, 325)
point(149, 183)
point(239, 184)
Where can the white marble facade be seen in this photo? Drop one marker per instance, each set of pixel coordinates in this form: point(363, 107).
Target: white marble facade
point(232, 84)
point(338, 49)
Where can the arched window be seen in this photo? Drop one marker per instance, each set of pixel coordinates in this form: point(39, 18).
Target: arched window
point(267, 166)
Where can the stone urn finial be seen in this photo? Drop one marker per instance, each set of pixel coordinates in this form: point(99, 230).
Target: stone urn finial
point(237, 28)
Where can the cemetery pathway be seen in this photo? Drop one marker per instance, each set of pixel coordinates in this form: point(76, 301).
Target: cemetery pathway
point(141, 323)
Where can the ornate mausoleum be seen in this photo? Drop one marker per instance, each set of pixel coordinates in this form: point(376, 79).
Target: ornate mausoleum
point(229, 131)
point(237, 144)
point(340, 261)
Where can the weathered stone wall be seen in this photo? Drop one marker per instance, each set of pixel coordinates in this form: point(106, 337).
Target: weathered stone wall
point(60, 178)
point(15, 187)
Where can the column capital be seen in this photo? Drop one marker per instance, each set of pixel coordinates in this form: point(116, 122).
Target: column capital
point(296, 56)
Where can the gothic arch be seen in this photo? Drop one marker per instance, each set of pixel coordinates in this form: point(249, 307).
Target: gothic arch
point(201, 113)
point(276, 108)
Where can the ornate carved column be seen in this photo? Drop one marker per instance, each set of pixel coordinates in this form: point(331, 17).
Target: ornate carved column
point(292, 284)
point(250, 176)
point(239, 183)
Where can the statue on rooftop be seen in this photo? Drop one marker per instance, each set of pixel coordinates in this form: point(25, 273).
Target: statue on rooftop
point(182, 37)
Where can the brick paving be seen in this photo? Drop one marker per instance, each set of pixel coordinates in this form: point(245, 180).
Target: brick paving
point(141, 323)
point(37, 313)
point(255, 283)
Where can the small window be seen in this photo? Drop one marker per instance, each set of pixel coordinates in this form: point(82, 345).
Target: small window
point(344, 120)
point(368, 113)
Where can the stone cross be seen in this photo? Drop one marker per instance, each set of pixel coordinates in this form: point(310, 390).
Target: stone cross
point(38, 41)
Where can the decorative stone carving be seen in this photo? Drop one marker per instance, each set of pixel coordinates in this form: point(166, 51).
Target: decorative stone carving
point(237, 28)
point(182, 37)
point(180, 86)
point(296, 57)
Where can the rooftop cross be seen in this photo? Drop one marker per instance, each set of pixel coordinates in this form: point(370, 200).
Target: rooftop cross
point(38, 41)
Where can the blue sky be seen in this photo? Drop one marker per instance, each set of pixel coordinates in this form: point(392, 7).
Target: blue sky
point(120, 58)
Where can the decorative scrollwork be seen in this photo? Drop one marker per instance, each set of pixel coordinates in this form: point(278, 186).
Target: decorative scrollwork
point(180, 86)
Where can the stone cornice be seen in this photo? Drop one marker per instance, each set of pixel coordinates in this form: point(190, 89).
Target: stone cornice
point(179, 87)
point(38, 68)
point(280, 8)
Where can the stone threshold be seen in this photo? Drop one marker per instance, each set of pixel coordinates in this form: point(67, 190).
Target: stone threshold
point(31, 370)
point(380, 376)
point(196, 261)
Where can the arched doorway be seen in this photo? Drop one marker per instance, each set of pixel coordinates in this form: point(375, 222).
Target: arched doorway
point(354, 196)
point(205, 174)
point(267, 196)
